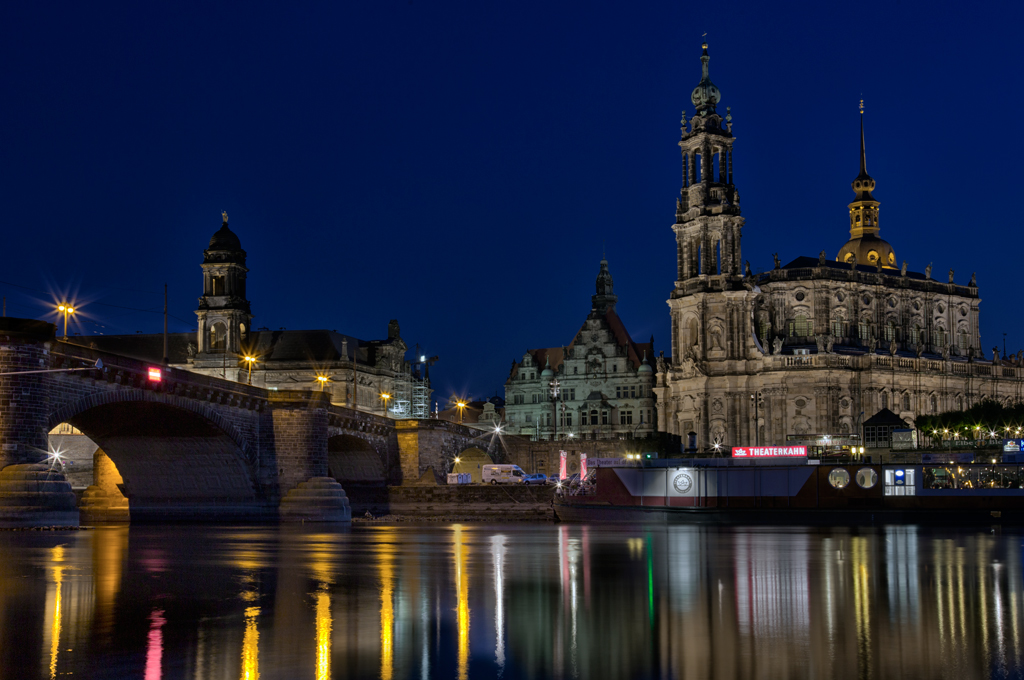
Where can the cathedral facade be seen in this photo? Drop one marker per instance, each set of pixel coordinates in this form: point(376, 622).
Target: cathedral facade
point(813, 347)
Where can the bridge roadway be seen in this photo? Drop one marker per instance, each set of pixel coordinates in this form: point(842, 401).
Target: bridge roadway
point(190, 446)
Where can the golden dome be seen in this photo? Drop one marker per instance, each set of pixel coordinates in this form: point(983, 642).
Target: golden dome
point(868, 249)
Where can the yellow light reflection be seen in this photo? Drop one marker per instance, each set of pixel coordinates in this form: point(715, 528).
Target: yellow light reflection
point(387, 615)
point(862, 598)
point(57, 557)
point(323, 635)
point(462, 591)
point(251, 646)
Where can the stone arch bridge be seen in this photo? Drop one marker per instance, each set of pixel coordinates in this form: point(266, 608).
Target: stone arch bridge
point(188, 446)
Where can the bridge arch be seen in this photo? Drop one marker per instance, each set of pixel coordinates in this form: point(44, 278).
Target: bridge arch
point(178, 457)
point(354, 459)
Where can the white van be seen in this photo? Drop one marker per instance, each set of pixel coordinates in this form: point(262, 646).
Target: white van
point(503, 474)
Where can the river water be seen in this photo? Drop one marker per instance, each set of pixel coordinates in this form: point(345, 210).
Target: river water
point(512, 601)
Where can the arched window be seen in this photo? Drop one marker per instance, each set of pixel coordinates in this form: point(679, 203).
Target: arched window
point(865, 330)
point(890, 331)
point(838, 327)
point(906, 402)
point(593, 417)
point(218, 337)
point(885, 400)
point(964, 340)
point(935, 404)
point(959, 403)
point(915, 334)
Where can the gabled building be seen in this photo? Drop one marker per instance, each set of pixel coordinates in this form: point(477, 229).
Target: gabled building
point(599, 386)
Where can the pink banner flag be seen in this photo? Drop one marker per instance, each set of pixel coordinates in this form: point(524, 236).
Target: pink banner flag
point(583, 466)
point(561, 465)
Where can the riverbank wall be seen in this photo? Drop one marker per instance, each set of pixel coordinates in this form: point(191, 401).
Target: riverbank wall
point(467, 502)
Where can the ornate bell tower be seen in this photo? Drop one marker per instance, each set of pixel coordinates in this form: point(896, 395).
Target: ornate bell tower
point(224, 314)
point(708, 221)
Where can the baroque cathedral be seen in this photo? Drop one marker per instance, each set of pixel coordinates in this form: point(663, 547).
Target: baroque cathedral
point(815, 346)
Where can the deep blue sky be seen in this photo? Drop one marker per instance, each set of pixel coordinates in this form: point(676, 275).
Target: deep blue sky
point(458, 165)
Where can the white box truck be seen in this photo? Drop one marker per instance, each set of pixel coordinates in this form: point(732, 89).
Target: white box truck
point(502, 474)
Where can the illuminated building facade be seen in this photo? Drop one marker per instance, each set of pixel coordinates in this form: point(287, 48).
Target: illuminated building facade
point(604, 380)
point(813, 346)
point(356, 372)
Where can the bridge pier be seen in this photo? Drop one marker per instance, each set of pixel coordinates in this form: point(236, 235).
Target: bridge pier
point(103, 500)
point(31, 493)
point(299, 427)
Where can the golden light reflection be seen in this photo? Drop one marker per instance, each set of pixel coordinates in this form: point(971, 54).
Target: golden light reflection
point(861, 598)
point(462, 592)
point(323, 635)
point(109, 546)
point(387, 612)
point(57, 557)
point(251, 646)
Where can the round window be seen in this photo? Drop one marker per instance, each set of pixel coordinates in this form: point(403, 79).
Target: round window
point(866, 299)
point(799, 297)
point(872, 256)
point(839, 478)
point(866, 478)
point(840, 297)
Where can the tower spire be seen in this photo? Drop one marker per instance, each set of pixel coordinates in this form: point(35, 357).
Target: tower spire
point(863, 155)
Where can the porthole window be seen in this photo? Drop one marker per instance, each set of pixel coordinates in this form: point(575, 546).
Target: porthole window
point(866, 299)
point(839, 478)
point(866, 478)
point(799, 297)
point(840, 297)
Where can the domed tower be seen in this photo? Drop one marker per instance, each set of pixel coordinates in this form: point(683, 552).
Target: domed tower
point(224, 313)
point(605, 297)
point(864, 243)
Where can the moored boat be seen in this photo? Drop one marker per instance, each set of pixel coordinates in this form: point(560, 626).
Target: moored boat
point(731, 491)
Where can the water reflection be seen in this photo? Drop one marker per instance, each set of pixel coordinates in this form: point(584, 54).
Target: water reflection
point(464, 601)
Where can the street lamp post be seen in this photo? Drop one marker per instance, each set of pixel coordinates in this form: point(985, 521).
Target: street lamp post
point(322, 379)
point(757, 420)
point(249, 360)
point(553, 390)
point(461, 406)
point(385, 396)
point(65, 309)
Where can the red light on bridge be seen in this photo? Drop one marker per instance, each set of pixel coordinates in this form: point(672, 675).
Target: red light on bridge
point(155, 375)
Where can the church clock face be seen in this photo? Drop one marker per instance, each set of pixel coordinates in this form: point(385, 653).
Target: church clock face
point(682, 482)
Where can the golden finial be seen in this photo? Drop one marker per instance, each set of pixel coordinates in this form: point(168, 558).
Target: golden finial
point(704, 40)
point(224, 214)
point(862, 106)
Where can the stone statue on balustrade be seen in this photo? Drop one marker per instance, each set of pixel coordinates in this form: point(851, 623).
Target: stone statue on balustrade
point(945, 353)
point(829, 342)
point(777, 343)
point(892, 348)
point(995, 356)
point(951, 276)
point(974, 280)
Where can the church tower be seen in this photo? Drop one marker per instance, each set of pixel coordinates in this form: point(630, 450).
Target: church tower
point(709, 304)
point(708, 221)
point(865, 246)
point(224, 314)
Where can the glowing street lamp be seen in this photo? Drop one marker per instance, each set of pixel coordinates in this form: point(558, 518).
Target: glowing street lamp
point(66, 310)
point(461, 406)
point(385, 396)
point(322, 379)
point(249, 360)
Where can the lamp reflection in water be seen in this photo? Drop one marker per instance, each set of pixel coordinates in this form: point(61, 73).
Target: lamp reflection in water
point(251, 646)
point(155, 645)
point(54, 606)
point(462, 591)
point(323, 634)
point(498, 556)
point(387, 612)
point(861, 598)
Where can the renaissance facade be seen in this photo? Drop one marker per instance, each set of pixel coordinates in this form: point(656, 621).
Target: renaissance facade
point(599, 386)
point(815, 346)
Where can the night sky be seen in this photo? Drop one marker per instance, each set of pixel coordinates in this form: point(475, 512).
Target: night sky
point(460, 166)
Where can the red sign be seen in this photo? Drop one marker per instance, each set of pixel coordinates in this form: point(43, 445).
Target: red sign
point(561, 467)
point(769, 452)
point(155, 374)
